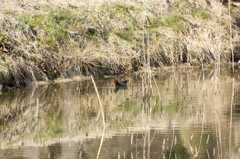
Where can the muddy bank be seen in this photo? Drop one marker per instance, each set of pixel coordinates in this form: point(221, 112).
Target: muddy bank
point(46, 40)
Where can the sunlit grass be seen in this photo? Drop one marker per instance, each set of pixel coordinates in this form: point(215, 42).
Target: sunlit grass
point(201, 14)
point(125, 34)
point(63, 40)
point(56, 24)
point(173, 21)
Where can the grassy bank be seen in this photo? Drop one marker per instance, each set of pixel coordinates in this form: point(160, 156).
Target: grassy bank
point(44, 40)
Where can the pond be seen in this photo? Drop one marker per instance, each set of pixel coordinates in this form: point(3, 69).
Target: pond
point(182, 114)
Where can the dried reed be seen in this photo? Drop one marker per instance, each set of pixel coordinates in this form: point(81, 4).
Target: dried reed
point(230, 129)
point(103, 119)
point(41, 42)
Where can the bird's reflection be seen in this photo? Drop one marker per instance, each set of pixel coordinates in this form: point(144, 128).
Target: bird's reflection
point(119, 88)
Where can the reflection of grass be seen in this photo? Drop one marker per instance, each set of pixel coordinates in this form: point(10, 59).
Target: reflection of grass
point(53, 128)
point(127, 106)
point(92, 114)
point(10, 143)
point(157, 106)
point(121, 125)
point(180, 150)
point(171, 109)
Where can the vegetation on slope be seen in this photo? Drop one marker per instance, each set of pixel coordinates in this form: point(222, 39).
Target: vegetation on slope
point(46, 40)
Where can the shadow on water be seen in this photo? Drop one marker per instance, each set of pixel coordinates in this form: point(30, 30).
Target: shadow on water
point(64, 120)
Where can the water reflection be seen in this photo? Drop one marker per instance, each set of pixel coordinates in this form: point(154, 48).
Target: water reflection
point(186, 118)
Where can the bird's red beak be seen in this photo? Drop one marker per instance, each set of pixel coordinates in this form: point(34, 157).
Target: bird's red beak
point(113, 82)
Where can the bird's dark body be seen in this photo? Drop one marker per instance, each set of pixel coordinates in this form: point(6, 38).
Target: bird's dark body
point(123, 84)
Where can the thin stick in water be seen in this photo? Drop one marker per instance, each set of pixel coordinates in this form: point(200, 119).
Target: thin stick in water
point(102, 117)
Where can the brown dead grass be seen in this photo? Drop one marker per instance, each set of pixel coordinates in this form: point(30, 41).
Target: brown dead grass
point(109, 38)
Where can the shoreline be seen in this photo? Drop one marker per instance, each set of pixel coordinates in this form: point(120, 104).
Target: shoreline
point(154, 71)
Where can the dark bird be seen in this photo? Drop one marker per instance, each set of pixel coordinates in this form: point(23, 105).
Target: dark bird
point(124, 83)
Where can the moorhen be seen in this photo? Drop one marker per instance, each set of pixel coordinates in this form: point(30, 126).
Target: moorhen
point(120, 84)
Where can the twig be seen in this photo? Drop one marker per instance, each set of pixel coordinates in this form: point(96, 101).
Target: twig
point(102, 117)
point(230, 27)
point(230, 133)
point(173, 131)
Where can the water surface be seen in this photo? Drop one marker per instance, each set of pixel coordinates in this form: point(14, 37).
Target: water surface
point(186, 115)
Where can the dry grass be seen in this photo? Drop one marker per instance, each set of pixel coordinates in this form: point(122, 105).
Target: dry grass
point(43, 40)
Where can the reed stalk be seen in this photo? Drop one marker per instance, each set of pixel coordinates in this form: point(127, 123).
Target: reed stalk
point(202, 130)
point(174, 130)
point(230, 27)
point(103, 119)
point(37, 117)
point(208, 154)
point(219, 50)
point(218, 136)
point(230, 125)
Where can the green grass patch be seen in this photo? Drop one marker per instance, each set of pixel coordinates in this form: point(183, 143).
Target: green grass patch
point(229, 11)
point(57, 24)
point(121, 10)
point(156, 33)
point(4, 41)
point(201, 14)
point(123, 7)
point(125, 34)
point(9, 13)
point(173, 21)
point(156, 23)
point(182, 1)
point(193, 54)
point(135, 25)
point(72, 6)
point(116, 44)
point(179, 2)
